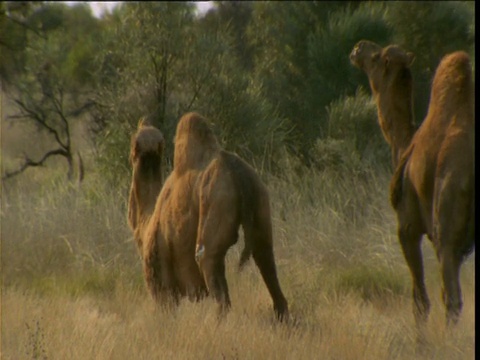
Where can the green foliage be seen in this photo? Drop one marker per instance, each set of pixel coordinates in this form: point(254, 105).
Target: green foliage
point(234, 16)
point(431, 30)
point(278, 33)
point(113, 150)
point(331, 75)
point(353, 120)
point(175, 80)
point(146, 48)
point(302, 59)
point(14, 29)
point(271, 76)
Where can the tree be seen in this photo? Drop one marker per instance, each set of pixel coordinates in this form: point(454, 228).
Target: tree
point(431, 30)
point(234, 16)
point(143, 46)
point(168, 62)
point(43, 94)
point(15, 26)
point(301, 59)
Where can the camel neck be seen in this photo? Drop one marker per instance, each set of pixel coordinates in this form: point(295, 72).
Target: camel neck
point(395, 115)
point(146, 194)
point(397, 122)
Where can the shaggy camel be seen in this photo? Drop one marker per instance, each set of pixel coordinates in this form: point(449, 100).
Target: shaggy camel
point(433, 186)
point(184, 233)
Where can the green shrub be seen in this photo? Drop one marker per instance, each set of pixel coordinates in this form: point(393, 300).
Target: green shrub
point(353, 120)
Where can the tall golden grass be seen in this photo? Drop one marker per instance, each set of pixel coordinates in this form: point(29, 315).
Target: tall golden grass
point(72, 286)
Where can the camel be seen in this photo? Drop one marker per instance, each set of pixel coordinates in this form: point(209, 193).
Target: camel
point(184, 230)
point(432, 188)
point(390, 79)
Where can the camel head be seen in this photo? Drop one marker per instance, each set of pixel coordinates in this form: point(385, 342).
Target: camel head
point(382, 65)
point(361, 55)
point(146, 153)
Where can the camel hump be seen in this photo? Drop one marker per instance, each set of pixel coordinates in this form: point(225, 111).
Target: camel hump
point(195, 143)
point(453, 79)
point(194, 125)
point(455, 68)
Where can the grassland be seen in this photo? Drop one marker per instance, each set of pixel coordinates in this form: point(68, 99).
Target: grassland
point(72, 286)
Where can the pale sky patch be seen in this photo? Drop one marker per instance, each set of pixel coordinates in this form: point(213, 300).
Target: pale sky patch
point(100, 7)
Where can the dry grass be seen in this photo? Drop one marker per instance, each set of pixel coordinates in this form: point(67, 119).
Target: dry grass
point(72, 285)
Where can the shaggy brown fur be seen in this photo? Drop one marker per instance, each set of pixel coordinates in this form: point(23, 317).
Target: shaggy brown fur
point(433, 186)
point(146, 152)
point(206, 198)
point(388, 71)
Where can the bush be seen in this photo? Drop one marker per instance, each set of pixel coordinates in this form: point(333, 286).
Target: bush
point(353, 121)
point(332, 75)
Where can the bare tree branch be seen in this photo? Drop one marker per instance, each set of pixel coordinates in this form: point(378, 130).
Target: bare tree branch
point(202, 82)
point(30, 163)
point(32, 114)
point(81, 109)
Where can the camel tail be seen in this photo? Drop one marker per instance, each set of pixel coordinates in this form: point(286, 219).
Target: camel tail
point(396, 183)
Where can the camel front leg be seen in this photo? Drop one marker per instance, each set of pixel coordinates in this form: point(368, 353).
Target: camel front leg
point(158, 272)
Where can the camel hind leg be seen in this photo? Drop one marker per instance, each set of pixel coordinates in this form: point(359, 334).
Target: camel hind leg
point(451, 221)
point(264, 259)
point(213, 267)
point(215, 236)
point(451, 292)
point(258, 238)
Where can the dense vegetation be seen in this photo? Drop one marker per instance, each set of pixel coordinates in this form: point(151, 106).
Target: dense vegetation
point(275, 80)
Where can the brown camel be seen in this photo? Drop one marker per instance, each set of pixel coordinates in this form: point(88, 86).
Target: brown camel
point(433, 186)
point(390, 79)
point(186, 232)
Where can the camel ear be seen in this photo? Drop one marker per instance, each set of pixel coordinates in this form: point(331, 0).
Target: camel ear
point(410, 58)
point(143, 122)
point(375, 56)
